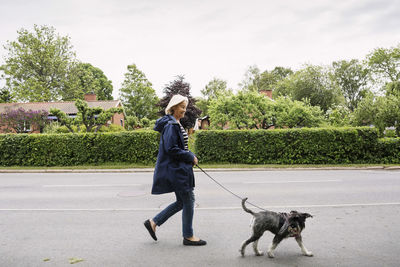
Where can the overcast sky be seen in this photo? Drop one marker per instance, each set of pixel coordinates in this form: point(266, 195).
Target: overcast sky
point(209, 38)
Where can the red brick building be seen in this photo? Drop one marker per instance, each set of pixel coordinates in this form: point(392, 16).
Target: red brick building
point(68, 108)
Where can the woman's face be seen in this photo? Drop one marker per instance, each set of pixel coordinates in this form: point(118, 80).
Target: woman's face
point(179, 110)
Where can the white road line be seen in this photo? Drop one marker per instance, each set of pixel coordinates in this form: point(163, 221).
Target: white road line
point(90, 185)
point(294, 181)
point(223, 208)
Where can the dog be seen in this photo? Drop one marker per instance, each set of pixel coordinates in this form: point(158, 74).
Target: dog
point(283, 225)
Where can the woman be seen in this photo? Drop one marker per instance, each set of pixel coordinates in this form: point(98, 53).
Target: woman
point(174, 171)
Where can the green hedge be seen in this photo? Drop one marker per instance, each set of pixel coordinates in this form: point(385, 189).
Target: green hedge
point(78, 149)
point(388, 150)
point(281, 146)
point(292, 146)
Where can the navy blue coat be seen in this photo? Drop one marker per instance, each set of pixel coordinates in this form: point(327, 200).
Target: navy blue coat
point(174, 166)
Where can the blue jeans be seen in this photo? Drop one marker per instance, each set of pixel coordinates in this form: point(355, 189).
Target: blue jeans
point(185, 202)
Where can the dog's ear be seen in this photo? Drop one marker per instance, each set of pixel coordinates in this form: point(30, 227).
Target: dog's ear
point(306, 215)
point(284, 227)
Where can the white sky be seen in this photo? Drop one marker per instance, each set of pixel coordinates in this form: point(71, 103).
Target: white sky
point(209, 38)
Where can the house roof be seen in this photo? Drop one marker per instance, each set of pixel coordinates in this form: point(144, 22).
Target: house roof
point(66, 107)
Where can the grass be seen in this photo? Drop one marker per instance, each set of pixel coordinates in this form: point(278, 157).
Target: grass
point(112, 165)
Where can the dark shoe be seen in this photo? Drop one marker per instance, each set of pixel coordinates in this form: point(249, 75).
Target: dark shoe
point(187, 242)
point(147, 224)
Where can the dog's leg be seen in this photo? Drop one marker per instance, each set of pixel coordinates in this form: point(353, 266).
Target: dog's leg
point(253, 238)
point(275, 242)
point(303, 248)
point(255, 248)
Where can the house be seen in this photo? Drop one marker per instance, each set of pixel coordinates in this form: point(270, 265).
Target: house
point(68, 108)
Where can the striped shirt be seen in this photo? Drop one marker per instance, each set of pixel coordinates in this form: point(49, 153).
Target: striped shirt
point(185, 137)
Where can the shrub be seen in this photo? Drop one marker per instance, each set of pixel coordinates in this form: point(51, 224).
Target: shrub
point(288, 146)
point(77, 149)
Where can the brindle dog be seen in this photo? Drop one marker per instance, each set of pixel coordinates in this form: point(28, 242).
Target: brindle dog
point(283, 225)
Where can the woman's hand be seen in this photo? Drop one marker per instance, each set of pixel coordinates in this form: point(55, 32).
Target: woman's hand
point(195, 160)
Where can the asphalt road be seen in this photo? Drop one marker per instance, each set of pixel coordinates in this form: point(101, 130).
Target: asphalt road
point(98, 217)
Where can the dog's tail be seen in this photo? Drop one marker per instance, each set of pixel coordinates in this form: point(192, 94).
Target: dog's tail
point(245, 208)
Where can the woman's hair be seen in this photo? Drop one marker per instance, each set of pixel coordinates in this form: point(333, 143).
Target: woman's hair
point(171, 110)
point(174, 101)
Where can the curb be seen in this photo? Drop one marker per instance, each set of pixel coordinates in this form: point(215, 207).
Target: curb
point(197, 170)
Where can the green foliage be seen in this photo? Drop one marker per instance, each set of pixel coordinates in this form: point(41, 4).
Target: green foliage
point(312, 83)
point(137, 94)
point(392, 88)
point(246, 110)
point(85, 78)
point(385, 63)
point(388, 150)
point(251, 110)
point(214, 89)
point(381, 111)
point(352, 78)
point(294, 114)
point(133, 123)
point(78, 149)
point(91, 118)
point(338, 116)
point(365, 113)
point(256, 81)
point(112, 128)
point(288, 146)
point(37, 65)
point(5, 96)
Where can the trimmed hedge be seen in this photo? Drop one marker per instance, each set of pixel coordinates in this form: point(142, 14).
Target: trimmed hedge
point(295, 146)
point(280, 146)
point(78, 149)
point(388, 150)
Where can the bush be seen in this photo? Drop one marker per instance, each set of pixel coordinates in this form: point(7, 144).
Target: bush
point(288, 146)
point(78, 149)
point(388, 150)
point(112, 128)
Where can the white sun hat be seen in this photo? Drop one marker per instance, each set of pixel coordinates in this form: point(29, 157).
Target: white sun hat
point(175, 100)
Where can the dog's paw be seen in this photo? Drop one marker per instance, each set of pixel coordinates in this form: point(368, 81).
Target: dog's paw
point(259, 253)
point(308, 254)
point(270, 254)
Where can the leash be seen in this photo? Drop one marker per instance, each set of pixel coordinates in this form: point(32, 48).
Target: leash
point(226, 189)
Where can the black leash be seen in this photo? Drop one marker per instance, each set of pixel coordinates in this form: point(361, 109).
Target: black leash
point(226, 189)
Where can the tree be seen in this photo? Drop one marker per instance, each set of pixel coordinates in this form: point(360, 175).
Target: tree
point(251, 110)
point(89, 117)
point(353, 80)
point(137, 94)
point(214, 89)
point(251, 79)
point(21, 121)
point(85, 78)
point(179, 86)
point(365, 113)
point(294, 114)
point(385, 63)
point(246, 110)
point(256, 81)
point(37, 64)
point(5, 96)
point(311, 83)
point(388, 113)
point(338, 116)
point(393, 88)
